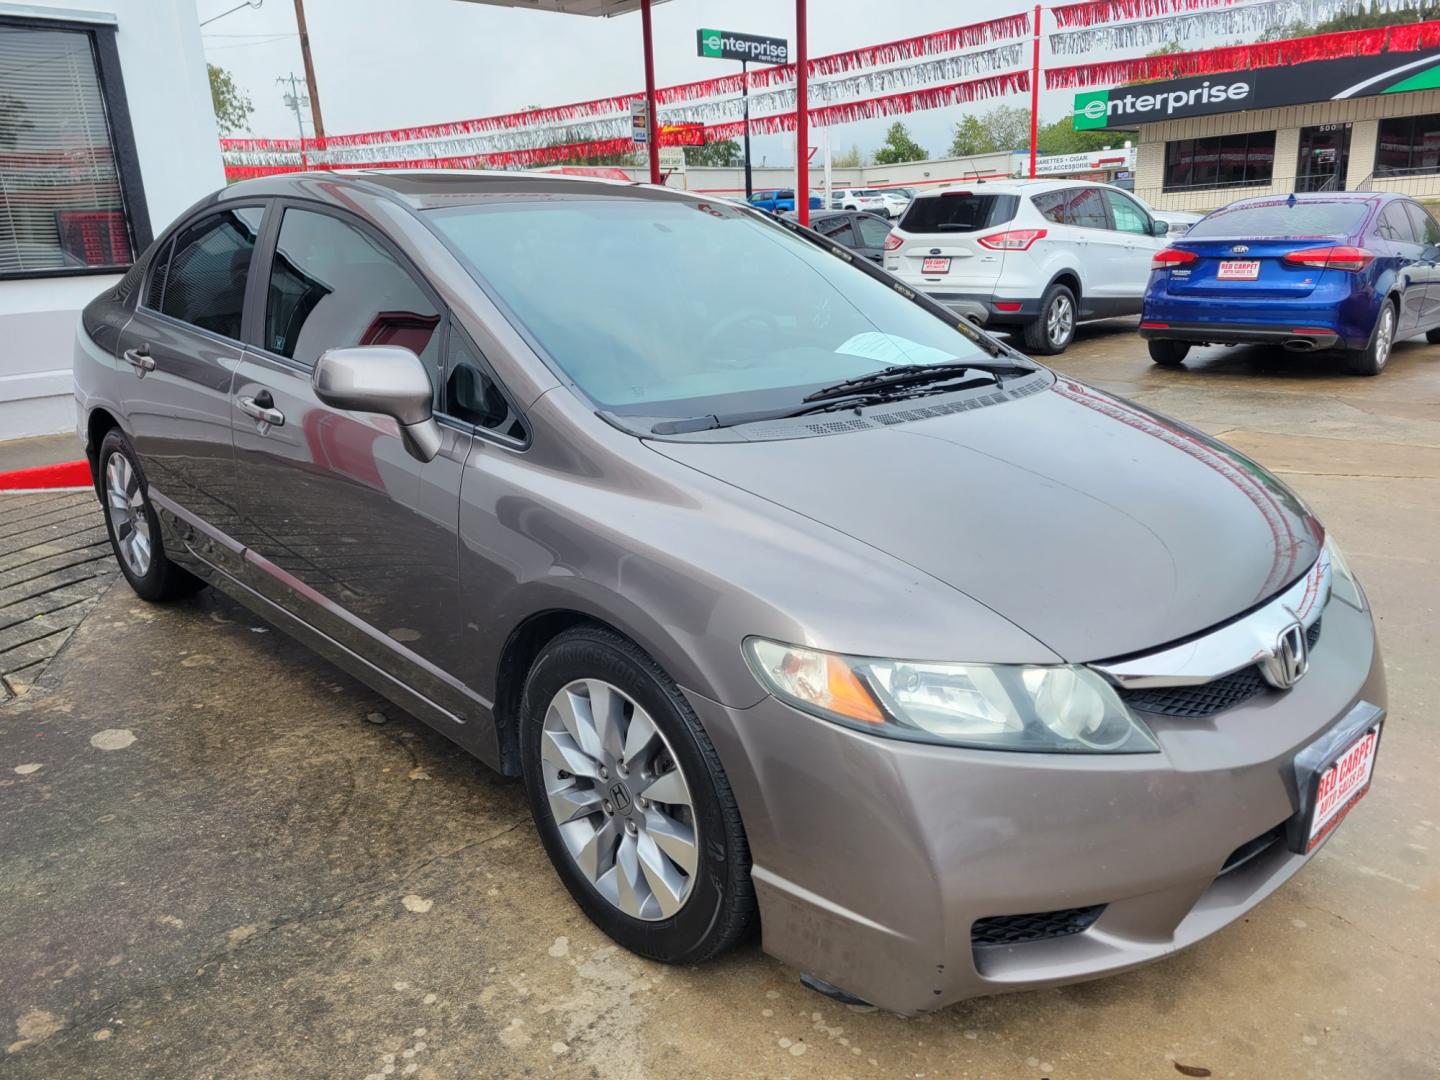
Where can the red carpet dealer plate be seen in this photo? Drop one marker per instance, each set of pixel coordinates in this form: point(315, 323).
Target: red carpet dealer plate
point(1341, 786)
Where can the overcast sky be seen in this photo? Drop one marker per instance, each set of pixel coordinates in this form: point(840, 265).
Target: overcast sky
point(394, 63)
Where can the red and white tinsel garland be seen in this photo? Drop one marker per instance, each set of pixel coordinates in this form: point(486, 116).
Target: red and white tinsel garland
point(1408, 37)
point(1095, 12)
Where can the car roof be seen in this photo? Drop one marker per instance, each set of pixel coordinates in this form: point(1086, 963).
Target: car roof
point(425, 189)
point(1012, 187)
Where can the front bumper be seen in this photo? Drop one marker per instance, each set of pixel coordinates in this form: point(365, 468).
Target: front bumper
point(873, 858)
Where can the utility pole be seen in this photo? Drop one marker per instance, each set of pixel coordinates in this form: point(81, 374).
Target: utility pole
point(315, 120)
point(296, 101)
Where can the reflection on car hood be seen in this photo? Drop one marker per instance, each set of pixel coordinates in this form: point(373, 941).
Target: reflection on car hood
point(1098, 527)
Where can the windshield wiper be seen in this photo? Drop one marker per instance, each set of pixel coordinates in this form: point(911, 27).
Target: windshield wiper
point(915, 375)
point(851, 400)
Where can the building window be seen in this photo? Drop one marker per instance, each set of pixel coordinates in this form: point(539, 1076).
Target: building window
point(1244, 160)
point(63, 206)
point(1408, 145)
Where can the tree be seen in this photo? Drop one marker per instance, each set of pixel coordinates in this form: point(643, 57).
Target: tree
point(1062, 138)
point(232, 105)
point(724, 153)
point(899, 147)
point(1003, 128)
point(848, 159)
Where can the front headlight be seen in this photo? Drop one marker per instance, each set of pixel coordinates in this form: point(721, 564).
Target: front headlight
point(1048, 709)
point(1342, 580)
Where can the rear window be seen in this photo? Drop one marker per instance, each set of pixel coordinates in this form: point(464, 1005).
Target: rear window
point(960, 211)
point(1283, 219)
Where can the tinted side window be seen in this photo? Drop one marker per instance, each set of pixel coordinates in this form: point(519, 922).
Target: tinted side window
point(332, 285)
point(1395, 225)
point(471, 392)
point(873, 231)
point(1086, 207)
point(1051, 205)
point(1128, 217)
point(836, 228)
point(1426, 229)
point(209, 265)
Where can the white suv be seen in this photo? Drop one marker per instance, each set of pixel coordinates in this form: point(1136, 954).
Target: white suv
point(871, 199)
point(1038, 255)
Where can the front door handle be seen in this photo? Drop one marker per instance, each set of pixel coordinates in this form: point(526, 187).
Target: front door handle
point(261, 407)
point(140, 359)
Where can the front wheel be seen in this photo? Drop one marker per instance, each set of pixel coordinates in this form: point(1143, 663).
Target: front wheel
point(1372, 359)
point(1433, 336)
point(1053, 331)
point(133, 527)
point(631, 802)
point(1169, 353)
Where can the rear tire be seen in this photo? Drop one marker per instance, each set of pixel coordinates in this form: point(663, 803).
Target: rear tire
point(1433, 336)
point(652, 847)
point(1372, 359)
point(1054, 329)
point(133, 527)
point(1169, 353)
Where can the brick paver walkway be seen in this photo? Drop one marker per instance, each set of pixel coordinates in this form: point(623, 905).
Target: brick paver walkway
point(55, 561)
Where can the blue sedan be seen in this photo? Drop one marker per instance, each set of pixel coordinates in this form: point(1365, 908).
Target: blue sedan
point(1351, 271)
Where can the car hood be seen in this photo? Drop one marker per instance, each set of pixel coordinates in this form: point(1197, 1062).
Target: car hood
point(1098, 527)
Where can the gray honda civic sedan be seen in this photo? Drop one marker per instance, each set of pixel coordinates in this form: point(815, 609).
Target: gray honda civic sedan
point(795, 602)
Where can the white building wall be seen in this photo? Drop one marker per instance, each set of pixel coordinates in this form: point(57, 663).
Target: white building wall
point(168, 92)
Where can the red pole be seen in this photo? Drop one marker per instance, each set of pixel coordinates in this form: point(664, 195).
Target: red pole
point(653, 135)
point(802, 116)
point(1034, 95)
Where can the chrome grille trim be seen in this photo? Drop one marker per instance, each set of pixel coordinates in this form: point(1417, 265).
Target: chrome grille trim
point(1237, 645)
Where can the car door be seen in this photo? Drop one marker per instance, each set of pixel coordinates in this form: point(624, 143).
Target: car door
point(343, 527)
point(835, 227)
point(1100, 249)
point(873, 233)
point(1131, 264)
point(180, 353)
point(1397, 238)
point(1427, 233)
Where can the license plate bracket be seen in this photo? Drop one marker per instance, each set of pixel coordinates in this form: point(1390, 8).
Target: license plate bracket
point(1333, 774)
point(1238, 270)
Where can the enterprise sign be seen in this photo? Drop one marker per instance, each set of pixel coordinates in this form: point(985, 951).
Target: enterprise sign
point(727, 45)
point(1299, 84)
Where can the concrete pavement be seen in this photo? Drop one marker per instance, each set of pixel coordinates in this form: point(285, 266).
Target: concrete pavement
point(215, 863)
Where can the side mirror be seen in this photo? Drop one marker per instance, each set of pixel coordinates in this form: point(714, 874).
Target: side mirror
point(384, 379)
point(1158, 227)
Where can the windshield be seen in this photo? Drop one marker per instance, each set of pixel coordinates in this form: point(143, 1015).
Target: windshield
point(1282, 218)
point(662, 308)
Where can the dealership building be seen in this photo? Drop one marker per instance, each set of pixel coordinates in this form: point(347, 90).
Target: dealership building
point(1358, 123)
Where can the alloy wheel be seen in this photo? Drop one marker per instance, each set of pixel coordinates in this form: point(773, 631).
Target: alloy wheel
point(1384, 335)
point(622, 806)
point(125, 506)
point(1060, 320)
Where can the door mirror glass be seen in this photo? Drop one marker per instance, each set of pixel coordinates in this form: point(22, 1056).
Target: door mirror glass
point(1159, 228)
point(389, 380)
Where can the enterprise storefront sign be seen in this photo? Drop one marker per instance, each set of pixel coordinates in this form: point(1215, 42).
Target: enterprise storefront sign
point(1300, 84)
point(752, 48)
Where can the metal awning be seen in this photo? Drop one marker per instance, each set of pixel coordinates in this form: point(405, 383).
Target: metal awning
point(570, 7)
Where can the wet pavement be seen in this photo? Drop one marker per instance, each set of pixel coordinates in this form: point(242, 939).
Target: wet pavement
point(214, 862)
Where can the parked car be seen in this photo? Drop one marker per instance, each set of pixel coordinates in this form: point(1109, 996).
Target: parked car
point(1032, 255)
point(1341, 271)
point(789, 595)
point(872, 200)
point(1179, 221)
point(777, 202)
point(864, 233)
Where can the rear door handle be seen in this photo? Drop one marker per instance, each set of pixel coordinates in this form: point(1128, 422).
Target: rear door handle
point(261, 407)
point(140, 359)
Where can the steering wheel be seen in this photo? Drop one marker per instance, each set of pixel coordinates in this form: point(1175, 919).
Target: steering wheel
point(764, 327)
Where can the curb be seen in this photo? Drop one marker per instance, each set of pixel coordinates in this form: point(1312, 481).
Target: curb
point(69, 474)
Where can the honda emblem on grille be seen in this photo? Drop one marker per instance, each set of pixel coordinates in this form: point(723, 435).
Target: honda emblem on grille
point(1239, 249)
point(1289, 661)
